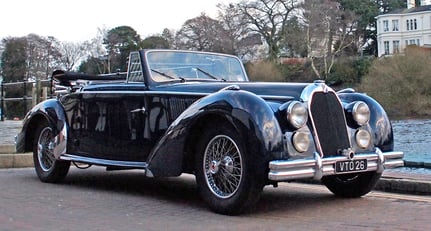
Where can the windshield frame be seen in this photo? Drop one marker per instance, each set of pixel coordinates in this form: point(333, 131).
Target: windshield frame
point(193, 66)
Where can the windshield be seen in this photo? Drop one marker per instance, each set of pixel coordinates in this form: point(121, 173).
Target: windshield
point(185, 65)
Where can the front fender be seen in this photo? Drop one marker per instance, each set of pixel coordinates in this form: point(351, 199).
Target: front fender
point(244, 110)
point(379, 121)
point(51, 111)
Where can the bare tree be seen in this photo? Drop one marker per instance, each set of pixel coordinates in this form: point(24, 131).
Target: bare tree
point(201, 33)
point(71, 54)
point(268, 18)
point(42, 56)
point(329, 32)
point(238, 40)
point(97, 56)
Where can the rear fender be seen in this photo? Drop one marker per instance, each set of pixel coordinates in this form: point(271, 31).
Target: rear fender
point(244, 110)
point(51, 111)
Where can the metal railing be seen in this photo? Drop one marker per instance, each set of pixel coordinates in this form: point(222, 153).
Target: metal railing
point(29, 93)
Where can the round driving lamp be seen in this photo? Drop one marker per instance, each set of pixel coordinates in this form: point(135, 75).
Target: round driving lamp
point(361, 113)
point(297, 114)
point(301, 141)
point(363, 138)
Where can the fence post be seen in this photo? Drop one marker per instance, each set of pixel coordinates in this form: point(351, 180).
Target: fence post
point(33, 94)
point(25, 96)
point(2, 102)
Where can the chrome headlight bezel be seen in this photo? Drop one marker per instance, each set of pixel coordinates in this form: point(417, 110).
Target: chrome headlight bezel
point(363, 138)
point(361, 113)
point(297, 114)
point(301, 141)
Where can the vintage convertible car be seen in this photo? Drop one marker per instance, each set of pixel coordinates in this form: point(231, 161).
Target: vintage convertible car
point(193, 112)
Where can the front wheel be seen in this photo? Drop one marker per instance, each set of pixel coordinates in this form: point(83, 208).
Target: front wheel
point(351, 185)
point(48, 169)
point(226, 179)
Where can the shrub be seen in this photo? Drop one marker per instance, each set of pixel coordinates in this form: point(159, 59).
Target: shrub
point(264, 71)
point(402, 83)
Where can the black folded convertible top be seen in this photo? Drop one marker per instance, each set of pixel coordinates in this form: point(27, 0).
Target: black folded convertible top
point(64, 77)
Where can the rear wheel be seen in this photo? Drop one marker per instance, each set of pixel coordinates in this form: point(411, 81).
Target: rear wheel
point(351, 185)
point(226, 179)
point(48, 169)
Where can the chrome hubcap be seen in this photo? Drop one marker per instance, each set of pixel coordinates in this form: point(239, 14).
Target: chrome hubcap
point(223, 166)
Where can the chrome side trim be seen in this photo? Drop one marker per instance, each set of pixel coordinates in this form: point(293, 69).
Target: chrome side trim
point(283, 170)
point(104, 162)
point(197, 94)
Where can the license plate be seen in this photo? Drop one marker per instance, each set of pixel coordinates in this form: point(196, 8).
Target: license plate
point(351, 166)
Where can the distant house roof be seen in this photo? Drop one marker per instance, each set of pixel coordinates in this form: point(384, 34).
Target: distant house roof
point(411, 10)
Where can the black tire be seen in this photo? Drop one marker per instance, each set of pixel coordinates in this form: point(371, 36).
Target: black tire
point(351, 185)
point(226, 173)
point(48, 169)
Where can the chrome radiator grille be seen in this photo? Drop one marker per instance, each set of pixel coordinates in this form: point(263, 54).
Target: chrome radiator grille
point(327, 117)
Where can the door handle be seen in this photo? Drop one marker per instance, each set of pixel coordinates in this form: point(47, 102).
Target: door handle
point(142, 110)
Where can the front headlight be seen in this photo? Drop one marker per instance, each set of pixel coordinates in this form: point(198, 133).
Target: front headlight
point(301, 141)
point(363, 138)
point(297, 114)
point(361, 113)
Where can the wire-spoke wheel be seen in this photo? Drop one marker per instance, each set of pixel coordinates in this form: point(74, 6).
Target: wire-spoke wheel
point(222, 166)
point(225, 175)
point(48, 169)
point(45, 153)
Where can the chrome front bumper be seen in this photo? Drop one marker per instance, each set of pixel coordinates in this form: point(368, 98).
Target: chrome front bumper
point(284, 170)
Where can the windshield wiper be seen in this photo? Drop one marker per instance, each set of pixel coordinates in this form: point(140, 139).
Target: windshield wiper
point(209, 74)
point(167, 76)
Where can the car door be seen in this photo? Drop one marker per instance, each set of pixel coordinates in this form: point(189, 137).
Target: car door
point(110, 120)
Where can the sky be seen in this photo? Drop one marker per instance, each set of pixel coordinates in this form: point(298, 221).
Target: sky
point(79, 20)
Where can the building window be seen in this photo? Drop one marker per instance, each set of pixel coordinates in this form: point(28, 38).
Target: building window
point(395, 26)
point(396, 46)
point(412, 42)
point(412, 24)
point(418, 42)
point(385, 25)
point(386, 45)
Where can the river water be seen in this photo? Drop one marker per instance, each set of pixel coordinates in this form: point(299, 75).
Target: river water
point(413, 137)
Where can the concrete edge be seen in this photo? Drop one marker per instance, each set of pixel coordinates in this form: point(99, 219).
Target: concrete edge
point(406, 186)
point(14, 160)
point(7, 148)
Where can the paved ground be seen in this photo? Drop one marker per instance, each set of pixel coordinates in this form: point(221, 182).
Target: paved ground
point(94, 199)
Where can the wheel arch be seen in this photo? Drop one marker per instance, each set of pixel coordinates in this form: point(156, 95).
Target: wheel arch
point(201, 124)
point(246, 112)
point(50, 111)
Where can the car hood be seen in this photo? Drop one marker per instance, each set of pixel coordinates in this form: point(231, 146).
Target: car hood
point(263, 89)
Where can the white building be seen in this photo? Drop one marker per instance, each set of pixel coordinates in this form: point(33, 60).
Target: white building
point(402, 27)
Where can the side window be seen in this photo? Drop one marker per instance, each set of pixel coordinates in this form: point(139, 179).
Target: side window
point(135, 73)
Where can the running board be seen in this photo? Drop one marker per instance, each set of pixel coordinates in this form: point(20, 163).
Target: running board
point(104, 162)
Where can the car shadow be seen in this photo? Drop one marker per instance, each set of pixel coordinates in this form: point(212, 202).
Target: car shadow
point(183, 190)
point(134, 182)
